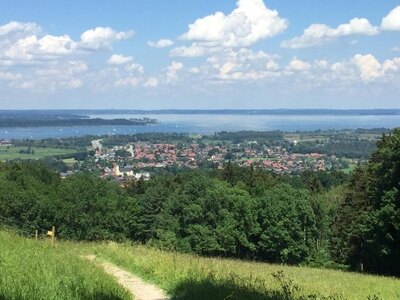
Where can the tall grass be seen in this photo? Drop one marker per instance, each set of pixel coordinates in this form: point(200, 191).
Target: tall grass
point(192, 277)
point(31, 269)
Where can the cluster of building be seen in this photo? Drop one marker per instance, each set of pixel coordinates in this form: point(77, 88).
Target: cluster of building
point(278, 160)
point(5, 143)
point(133, 159)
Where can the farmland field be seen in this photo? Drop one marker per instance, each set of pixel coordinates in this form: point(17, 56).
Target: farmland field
point(8, 153)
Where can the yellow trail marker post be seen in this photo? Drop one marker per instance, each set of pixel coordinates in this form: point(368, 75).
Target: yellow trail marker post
point(52, 234)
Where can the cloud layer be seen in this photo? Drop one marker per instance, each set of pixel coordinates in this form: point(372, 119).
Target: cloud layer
point(221, 52)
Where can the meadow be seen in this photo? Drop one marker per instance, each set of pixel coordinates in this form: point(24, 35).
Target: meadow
point(9, 153)
point(192, 277)
point(31, 269)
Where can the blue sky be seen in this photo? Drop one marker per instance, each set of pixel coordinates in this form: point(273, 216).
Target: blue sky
point(158, 54)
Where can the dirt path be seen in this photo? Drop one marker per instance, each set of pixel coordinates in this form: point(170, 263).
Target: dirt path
point(136, 286)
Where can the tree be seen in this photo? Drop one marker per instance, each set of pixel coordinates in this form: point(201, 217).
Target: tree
point(288, 227)
point(368, 226)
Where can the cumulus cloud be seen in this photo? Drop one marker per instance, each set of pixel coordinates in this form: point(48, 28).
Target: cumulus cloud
point(134, 68)
point(172, 71)
point(392, 20)
point(117, 59)
point(53, 77)
point(102, 37)
point(18, 27)
point(194, 50)
point(152, 82)
point(250, 22)
point(47, 47)
point(369, 67)
point(163, 43)
point(243, 64)
point(318, 34)
point(298, 65)
point(128, 81)
point(23, 43)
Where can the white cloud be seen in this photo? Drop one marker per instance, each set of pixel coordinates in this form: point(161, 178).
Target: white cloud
point(8, 76)
point(22, 43)
point(298, 65)
point(321, 64)
point(272, 65)
point(161, 43)
point(392, 20)
point(194, 70)
point(194, 50)
point(152, 82)
point(249, 23)
point(232, 65)
point(370, 68)
point(117, 59)
point(52, 77)
point(128, 81)
point(47, 47)
point(135, 68)
point(14, 27)
point(172, 71)
point(318, 34)
point(392, 65)
point(102, 37)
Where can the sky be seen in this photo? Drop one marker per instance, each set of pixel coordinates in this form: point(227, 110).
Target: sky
point(199, 54)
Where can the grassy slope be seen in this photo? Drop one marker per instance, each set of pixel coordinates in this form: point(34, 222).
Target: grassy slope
point(13, 152)
point(35, 271)
point(191, 277)
point(30, 269)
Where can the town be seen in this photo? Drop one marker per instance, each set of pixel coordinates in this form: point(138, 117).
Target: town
point(139, 159)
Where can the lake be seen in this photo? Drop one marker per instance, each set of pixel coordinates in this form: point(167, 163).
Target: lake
point(208, 124)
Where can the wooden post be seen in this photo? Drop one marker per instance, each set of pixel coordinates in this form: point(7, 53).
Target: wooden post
point(36, 234)
point(53, 236)
point(361, 267)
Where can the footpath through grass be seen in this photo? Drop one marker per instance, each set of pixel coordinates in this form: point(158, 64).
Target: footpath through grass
point(31, 269)
point(191, 277)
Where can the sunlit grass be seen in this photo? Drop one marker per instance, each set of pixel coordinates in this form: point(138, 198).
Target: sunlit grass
point(237, 279)
point(31, 269)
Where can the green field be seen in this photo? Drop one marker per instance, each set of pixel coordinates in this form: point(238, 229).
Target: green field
point(34, 270)
point(8, 153)
point(31, 269)
point(192, 277)
point(70, 161)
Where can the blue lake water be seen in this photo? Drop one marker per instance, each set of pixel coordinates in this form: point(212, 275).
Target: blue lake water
point(208, 124)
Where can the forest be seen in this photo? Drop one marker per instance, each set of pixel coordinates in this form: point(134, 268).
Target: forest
point(324, 219)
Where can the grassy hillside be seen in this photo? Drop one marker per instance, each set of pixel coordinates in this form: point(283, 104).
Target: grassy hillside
point(191, 277)
point(33, 270)
point(30, 269)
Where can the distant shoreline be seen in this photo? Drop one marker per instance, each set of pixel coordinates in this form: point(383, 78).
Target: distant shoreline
point(24, 123)
point(85, 112)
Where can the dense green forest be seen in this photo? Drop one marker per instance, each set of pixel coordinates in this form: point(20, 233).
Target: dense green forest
point(316, 218)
